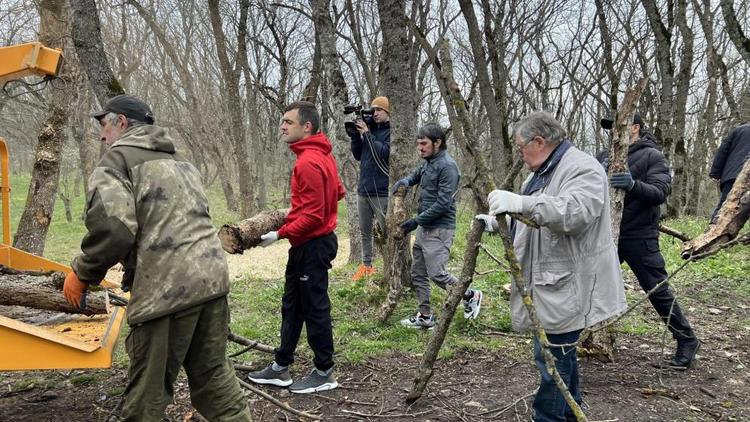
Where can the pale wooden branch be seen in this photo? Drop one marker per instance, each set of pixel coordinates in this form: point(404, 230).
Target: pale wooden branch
point(674, 233)
point(273, 400)
point(251, 344)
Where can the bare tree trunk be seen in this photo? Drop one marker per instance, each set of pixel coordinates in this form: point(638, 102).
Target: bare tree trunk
point(40, 201)
point(601, 344)
point(334, 102)
point(234, 104)
point(399, 87)
point(87, 38)
point(500, 155)
point(734, 29)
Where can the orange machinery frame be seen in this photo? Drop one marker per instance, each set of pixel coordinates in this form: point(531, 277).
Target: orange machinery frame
point(84, 342)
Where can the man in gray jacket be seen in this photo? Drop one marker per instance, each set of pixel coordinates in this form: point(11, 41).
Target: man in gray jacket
point(569, 263)
point(438, 178)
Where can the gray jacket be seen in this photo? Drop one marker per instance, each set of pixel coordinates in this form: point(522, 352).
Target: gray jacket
point(438, 180)
point(570, 263)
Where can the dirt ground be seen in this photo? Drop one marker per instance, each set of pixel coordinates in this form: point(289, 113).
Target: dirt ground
point(469, 387)
point(465, 388)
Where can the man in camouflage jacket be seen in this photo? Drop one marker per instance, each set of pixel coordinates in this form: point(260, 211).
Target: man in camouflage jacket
point(147, 210)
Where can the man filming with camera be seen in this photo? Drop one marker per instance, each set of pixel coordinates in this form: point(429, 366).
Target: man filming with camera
point(371, 146)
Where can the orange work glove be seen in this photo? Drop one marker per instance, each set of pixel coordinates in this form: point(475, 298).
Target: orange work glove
point(74, 290)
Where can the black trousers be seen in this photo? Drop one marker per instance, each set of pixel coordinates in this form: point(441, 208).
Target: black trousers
point(306, 301)
point(725, 188)
point(644, 258)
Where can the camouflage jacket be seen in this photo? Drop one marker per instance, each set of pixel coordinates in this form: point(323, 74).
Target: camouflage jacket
point(146, 209)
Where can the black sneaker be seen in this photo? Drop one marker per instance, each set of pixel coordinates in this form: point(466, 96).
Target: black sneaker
point(314, 382)
point(270, 377)
point(684, 356)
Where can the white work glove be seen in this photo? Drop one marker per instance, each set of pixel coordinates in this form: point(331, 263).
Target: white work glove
point(503, 201)
point(269, 238)
point(490, 222)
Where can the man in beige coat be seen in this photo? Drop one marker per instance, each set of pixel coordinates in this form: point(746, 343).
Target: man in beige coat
point(569, 263)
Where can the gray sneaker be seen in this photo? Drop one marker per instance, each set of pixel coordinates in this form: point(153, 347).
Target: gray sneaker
point(270, 377)
point(314, 382)
point(419, 321)
point(473, 305)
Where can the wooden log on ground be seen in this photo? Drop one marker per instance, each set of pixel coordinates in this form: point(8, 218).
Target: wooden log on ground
point(732, 217)
point(236, 238)
point(44, 291)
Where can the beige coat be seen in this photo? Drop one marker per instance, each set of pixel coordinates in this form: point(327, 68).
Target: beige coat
point(570, 263)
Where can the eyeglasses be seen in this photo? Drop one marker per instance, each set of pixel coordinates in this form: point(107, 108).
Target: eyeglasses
point(521, 147)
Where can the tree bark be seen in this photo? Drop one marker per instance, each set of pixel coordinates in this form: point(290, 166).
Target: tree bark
point(40, 201)
point(399, 240)
point(734, 29)
point(87, 38)
point(399, 85)
point(336, 100)
point(732, 217)
point(235, 238)
point(231, 78)
point(601, 344)
point(44, 291)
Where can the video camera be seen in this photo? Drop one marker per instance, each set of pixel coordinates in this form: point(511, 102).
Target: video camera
point(357, 112)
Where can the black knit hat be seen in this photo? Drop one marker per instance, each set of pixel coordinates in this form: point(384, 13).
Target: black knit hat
point(127, 105)
point(609, 122)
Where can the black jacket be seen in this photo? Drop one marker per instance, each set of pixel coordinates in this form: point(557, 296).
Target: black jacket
point(373, 152)
point(732, 153)
point(640, 217)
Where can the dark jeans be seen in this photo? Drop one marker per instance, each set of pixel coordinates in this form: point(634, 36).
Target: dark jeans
point(725, 187)
point(644, 258)
point(195, 339)
point(306, 301)
point(549, 403)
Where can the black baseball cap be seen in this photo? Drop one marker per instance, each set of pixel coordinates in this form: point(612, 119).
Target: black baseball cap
point(608, 122)
point(127, 105)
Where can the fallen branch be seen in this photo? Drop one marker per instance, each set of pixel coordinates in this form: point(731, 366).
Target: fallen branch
point(251, 344)
point(732, 217)
point(674, 233)
point(273, 400)
point(236, 238)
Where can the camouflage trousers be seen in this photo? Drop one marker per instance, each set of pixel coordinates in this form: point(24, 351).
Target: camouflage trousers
point(196, 340)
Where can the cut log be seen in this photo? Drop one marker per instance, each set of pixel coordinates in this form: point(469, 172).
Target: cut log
point(44, 291)
point(732, 216)
point(236, 238)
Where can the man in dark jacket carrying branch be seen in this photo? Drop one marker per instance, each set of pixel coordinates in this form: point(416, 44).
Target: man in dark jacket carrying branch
point(147, 210)
point(648, 184)
point(728, 161)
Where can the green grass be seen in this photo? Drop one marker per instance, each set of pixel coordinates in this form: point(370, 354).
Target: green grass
point(256, 302)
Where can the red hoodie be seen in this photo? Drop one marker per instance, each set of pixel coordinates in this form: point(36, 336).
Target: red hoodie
point(316, 190)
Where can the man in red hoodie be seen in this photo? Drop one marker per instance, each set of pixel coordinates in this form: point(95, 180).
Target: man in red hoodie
point(316, 190)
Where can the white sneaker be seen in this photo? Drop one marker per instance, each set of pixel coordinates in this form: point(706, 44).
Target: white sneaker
point(473, 305)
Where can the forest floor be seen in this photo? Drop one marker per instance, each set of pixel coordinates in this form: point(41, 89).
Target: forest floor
point(480, 384)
